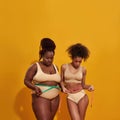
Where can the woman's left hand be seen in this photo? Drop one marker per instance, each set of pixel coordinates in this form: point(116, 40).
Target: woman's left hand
point(91, 88)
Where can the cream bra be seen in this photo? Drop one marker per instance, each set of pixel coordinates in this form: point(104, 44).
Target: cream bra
point(40, 76)
point(73, 77)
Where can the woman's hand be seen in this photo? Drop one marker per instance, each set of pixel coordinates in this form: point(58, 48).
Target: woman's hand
point(65, 90)
point(91, 88)
point(38, 92)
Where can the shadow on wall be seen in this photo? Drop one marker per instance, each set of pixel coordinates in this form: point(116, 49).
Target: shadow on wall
point(23, 106)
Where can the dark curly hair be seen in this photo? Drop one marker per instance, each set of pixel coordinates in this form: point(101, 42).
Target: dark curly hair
point(46, 44)
point(78, 50)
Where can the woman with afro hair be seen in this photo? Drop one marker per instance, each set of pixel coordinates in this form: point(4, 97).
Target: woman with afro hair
point(43, 79)
point(73, 81)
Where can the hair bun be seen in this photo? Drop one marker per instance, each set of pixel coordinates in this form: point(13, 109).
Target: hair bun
point(48, 44)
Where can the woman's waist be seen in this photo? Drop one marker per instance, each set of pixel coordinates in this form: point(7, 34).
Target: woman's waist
point(45, 87)
point(46, 83)
point(74, 87)
point(48, 91)
point(77, 92)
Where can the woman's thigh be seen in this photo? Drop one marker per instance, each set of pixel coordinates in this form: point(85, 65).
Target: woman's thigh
point(41, 108)
point(54, 105)
point(73, 110)
point(83, 103)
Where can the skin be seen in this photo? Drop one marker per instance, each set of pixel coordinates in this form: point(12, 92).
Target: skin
point(43, 108)
point(77, 111)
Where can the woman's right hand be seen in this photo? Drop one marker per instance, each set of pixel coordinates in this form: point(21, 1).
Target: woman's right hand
point(65, 90)
point(38, 92)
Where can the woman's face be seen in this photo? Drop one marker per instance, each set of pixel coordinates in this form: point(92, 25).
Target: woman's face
point(48, 58)
point(76, 61)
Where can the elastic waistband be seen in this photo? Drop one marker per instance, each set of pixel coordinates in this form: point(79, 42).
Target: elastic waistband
point(73, 81)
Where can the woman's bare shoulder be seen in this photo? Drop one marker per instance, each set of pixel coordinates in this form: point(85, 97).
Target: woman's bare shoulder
point(32, 67)
point(63, 66)
point(84, 69)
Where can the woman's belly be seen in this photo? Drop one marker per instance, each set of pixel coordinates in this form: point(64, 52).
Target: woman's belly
point(48, 92)
point(74, 87)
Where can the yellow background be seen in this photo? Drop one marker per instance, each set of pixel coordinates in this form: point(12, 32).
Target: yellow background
point(95, 23)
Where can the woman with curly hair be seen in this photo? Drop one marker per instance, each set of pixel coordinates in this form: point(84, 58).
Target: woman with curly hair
point(43, 79)
point(73, 81)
